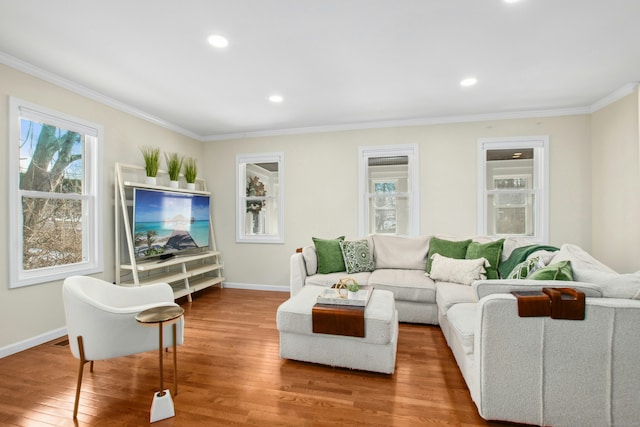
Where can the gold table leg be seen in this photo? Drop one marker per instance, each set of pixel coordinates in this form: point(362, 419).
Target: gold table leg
point(175, 361)
point(161, 370)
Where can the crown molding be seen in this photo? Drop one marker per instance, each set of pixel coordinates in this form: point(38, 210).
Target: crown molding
point(402, 123)
point(47, 76)
point(613, 97)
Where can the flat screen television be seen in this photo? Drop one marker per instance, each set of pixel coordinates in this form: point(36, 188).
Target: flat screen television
point(166, 223)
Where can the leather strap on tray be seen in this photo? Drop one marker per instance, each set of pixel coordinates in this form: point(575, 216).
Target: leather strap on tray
point(558, 303)
point(338, 320)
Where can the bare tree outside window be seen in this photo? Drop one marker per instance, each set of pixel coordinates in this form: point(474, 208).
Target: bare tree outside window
point(55, 201)
point(52, 226)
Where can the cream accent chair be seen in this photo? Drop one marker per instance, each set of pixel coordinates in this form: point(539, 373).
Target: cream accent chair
point(101, 320)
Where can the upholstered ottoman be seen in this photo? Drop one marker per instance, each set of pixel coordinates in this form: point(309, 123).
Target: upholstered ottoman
point(375, 352)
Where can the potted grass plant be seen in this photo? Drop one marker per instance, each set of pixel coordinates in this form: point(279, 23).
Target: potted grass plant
point(174, 166)
point(151, 157)
point(190, 171)
point(353, 288)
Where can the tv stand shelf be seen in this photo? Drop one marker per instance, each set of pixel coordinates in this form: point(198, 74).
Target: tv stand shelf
point(186, 273)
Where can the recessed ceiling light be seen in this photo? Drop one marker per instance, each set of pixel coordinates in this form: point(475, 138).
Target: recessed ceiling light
point(468, 82)
point(216, 40)
point(276, 99)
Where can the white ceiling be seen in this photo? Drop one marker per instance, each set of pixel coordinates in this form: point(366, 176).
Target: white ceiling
point(338, 63)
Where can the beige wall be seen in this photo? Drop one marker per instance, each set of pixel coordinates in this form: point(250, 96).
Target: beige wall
point(616, 184)
point(321, 178)
point(34, 310)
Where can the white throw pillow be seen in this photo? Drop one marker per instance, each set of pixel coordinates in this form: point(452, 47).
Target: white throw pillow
point(463, 271)
point(511, 243)
point(580, 260)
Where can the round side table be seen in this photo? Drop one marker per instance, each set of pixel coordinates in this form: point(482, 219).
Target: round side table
point(162, 406)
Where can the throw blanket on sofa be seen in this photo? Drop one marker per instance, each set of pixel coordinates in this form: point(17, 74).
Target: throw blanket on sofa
point(520, 254)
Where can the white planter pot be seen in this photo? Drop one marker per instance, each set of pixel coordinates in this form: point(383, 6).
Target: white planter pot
point(353, 295)
point(191, 185)
point(151, 180)
point(174, 184)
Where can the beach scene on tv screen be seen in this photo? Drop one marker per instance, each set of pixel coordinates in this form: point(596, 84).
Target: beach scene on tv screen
point(166, 223)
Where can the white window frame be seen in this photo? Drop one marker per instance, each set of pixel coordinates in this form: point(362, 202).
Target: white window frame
point(409, 150)
point(241, 198)
point(92, 220)
point(539, 184)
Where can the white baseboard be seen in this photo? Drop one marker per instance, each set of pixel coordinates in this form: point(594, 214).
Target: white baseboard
point(255, 287)
point(32, 342)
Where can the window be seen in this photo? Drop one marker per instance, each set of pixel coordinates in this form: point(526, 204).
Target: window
point(260, 190)
point(513, 182)
point(389, 190)
point(55, 190)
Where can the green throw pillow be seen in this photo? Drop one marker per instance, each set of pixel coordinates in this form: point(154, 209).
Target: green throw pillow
point(526, 267)
point(357, 257)
point(491, 251)
point(446, 248)
point(329, 255)
point(556, 271)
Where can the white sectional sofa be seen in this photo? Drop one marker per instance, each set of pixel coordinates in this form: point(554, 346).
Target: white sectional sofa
point(534, 370)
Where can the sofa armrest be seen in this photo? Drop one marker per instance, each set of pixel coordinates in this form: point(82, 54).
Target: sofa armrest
point(525, 366)
point(482, 288)
point(297, 273)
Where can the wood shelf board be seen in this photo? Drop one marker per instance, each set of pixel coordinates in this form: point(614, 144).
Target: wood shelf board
point(206, 268)
point(158, 278)
point(179, 259)
point(204, 282)
point(179, 293)
point(131, 184)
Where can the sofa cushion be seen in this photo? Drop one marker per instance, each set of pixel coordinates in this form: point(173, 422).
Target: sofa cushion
point(310, 259)
point(613, 285)
point(463, 319)
point(483, 288)
point(450, 294)
point(491, 251)
point(456, 249)
point(406, 285)
point(400, 252)
point(329, 255)
point(463, 271)
point(556, 271)
point(328, 280)
point(357, 256)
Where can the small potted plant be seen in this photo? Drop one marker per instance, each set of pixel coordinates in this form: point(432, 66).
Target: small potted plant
point(190, 171)
point(353, 288)
point(174, 166)
point(151, 157)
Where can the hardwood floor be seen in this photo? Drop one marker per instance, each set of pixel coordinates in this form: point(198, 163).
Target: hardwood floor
point(230, 373)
